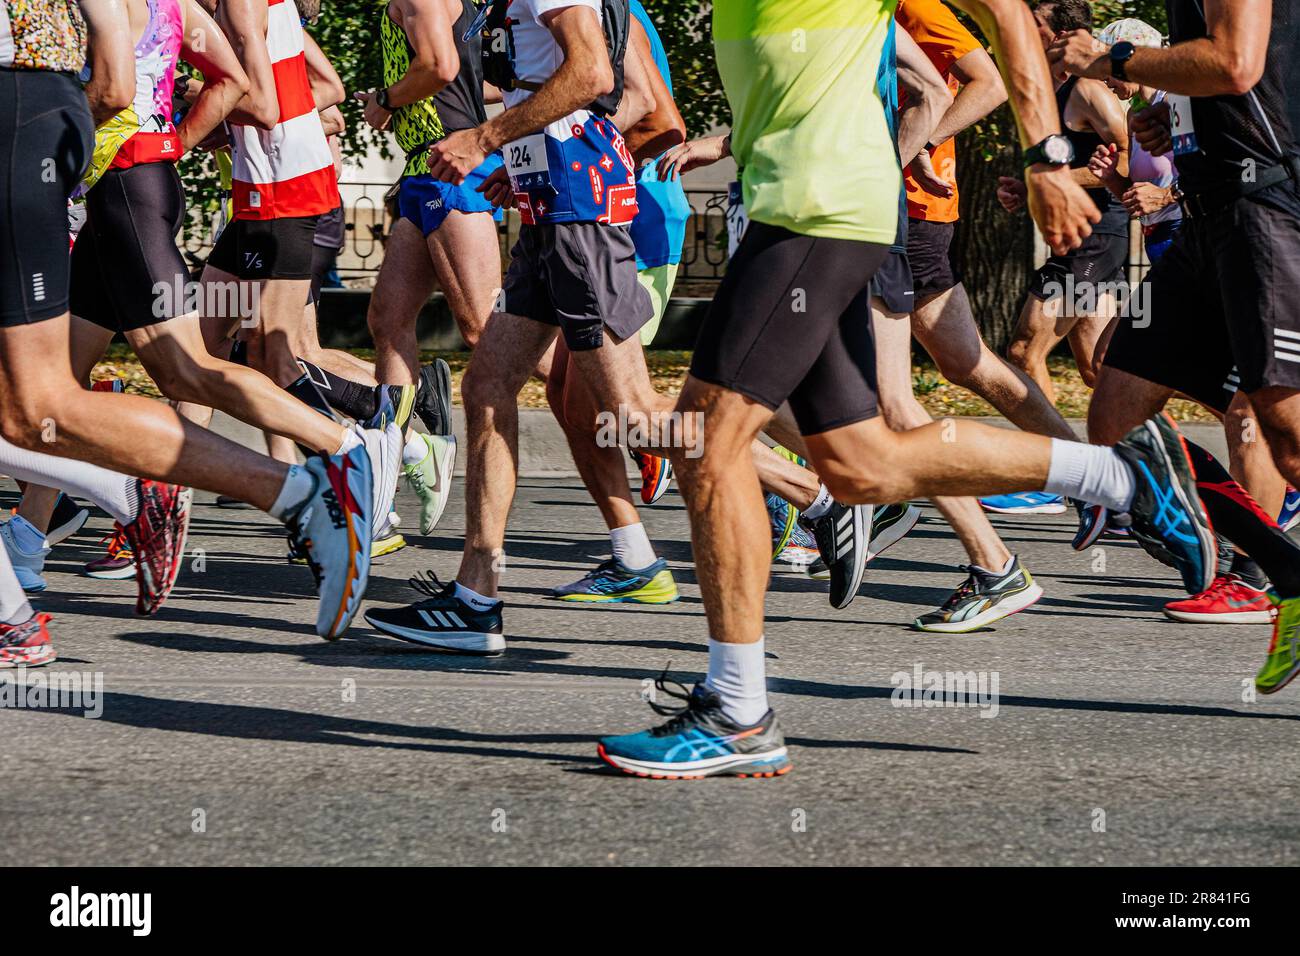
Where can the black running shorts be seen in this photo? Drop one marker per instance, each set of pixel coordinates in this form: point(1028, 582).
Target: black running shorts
point(792, 320)
point(126, 270)
point(266, 248)
point(892, 283)
point(1219, 310)
point(46, 135)
point(580, 276)
point(929, 252)
point(1100, 260)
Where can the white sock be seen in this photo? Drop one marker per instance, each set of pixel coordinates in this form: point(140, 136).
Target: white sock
point(1092, 473)
point(632, 547)
point(738, 674)
point(1006, 568)
point(350, 441)
point(821, 505)
point(14, 608)
point(113, 492)
point(297, 488)
point(415, 450)
point(475, 600)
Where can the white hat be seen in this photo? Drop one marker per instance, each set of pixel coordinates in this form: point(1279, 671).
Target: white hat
point(1137, 32)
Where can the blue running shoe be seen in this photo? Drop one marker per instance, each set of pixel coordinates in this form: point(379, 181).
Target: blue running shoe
point(782, 516)
point(1290, 514)
point(1169, 520)
point(1024, 503)
point(612, 582)
point(1092, 525)
point(698, 741)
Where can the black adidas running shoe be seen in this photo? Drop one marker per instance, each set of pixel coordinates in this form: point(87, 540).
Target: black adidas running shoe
point(442, 620)
point(842, 536)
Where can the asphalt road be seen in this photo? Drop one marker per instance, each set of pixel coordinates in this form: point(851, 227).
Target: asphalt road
point(230, 734)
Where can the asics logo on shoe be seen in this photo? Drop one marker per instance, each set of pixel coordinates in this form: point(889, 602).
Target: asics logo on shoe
point(1169, 515)
point(698, 744)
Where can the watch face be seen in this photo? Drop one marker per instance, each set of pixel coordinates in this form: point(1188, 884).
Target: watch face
point(1057, 149)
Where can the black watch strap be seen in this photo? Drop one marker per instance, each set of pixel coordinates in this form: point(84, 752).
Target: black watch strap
point(381, 97)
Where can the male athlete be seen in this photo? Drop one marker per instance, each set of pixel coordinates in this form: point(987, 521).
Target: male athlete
point(324, 503)
point(756, 351)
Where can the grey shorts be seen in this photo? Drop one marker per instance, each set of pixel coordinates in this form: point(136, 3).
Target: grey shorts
point(580, 276)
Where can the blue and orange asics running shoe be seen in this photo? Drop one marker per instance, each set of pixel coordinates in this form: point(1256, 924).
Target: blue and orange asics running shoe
point(699, 740)
point(1169, 520)
point(612, 582)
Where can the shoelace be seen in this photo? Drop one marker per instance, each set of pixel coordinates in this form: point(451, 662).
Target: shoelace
point(115, 541)
point(964, 590)
point(428, 583)
point(677, 714)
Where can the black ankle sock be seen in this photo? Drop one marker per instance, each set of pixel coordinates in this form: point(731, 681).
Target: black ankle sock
point(1238, 517)
point(1250, 572)
point(354, 400)
point(305, 390)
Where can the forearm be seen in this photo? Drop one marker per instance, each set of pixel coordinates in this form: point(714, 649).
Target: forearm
point(567, 90)
point(213, 104)
point(417, 83)
point(1022, 63)
point(916, 126)
point(1195, 68)
point(972, 103)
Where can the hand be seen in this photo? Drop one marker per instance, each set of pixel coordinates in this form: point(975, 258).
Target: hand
point(1078, 53)
point(374, 114)
point(1011, 193)
point(1060, 207)
point(1152, 129)
point(1145, 198)
point(456, 155)
point(1103, 163)
point(215, 140)
point(497, 190)
point(922, 170)
point(691, 155)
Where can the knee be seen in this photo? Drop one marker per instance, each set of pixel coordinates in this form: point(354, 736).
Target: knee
point(1019, 352)
point(189, 382)
point(484, 387)
point(31, 420)
point(1088, 373)
point(853, 486)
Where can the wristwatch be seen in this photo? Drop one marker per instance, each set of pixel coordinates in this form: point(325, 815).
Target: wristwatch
point(1120, 54)
point(381, 97)
point(1055, 150)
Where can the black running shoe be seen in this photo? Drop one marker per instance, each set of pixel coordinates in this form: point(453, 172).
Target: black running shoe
point(842, 536)
point(889, 525)
point(698, 741)
point(433, 397)
point(1168, 517)
point(442, 620)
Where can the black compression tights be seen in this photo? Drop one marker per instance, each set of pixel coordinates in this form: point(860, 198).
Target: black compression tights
point(1239, 518)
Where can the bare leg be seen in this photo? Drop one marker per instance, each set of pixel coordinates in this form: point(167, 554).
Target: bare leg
point(944, 326)
point(1250, 458)
point(1040, 328)
point(49, 411)
point(1120, 403)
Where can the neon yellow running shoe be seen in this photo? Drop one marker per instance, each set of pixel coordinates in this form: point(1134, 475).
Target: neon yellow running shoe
point(1283, 661)
point(387, 544)
point(612, 582)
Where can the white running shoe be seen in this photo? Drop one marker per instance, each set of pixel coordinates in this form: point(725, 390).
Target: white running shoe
point(27, 567)
point(332, 528)
point(384, 449)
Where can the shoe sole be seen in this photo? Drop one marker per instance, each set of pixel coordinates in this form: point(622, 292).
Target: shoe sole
point(1295, 670)
point(358, 559)
point(1230, 617)
point(614, 599)
point(776, 764)
point(117, 574)
point(385, 546)
point(1026, 598)
point(184, 507)
point(68, 529)
point(895, 533)
point(1204, 532)
point(480, 643)
point(862, 533)
point(1094, 534)
point(659, 490)
point(1035, 510)
point(38, 661)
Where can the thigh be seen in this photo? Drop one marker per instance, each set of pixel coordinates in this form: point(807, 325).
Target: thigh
point(1121, 402)
point(509, 350)
point(946, 329)
point(466, 257)
point(778, 307)
point(589, 272)
point(1042, 323)
point(405, 280)
point(893, 341)
point(840, 387)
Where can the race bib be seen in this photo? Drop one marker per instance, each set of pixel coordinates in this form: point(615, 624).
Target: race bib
point(1182, 126)
point(527, 157)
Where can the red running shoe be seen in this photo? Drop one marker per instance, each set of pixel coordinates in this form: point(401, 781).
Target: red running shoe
point(157, 539)
point(27, 644)
point(656, 475)
point(1228, 600)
